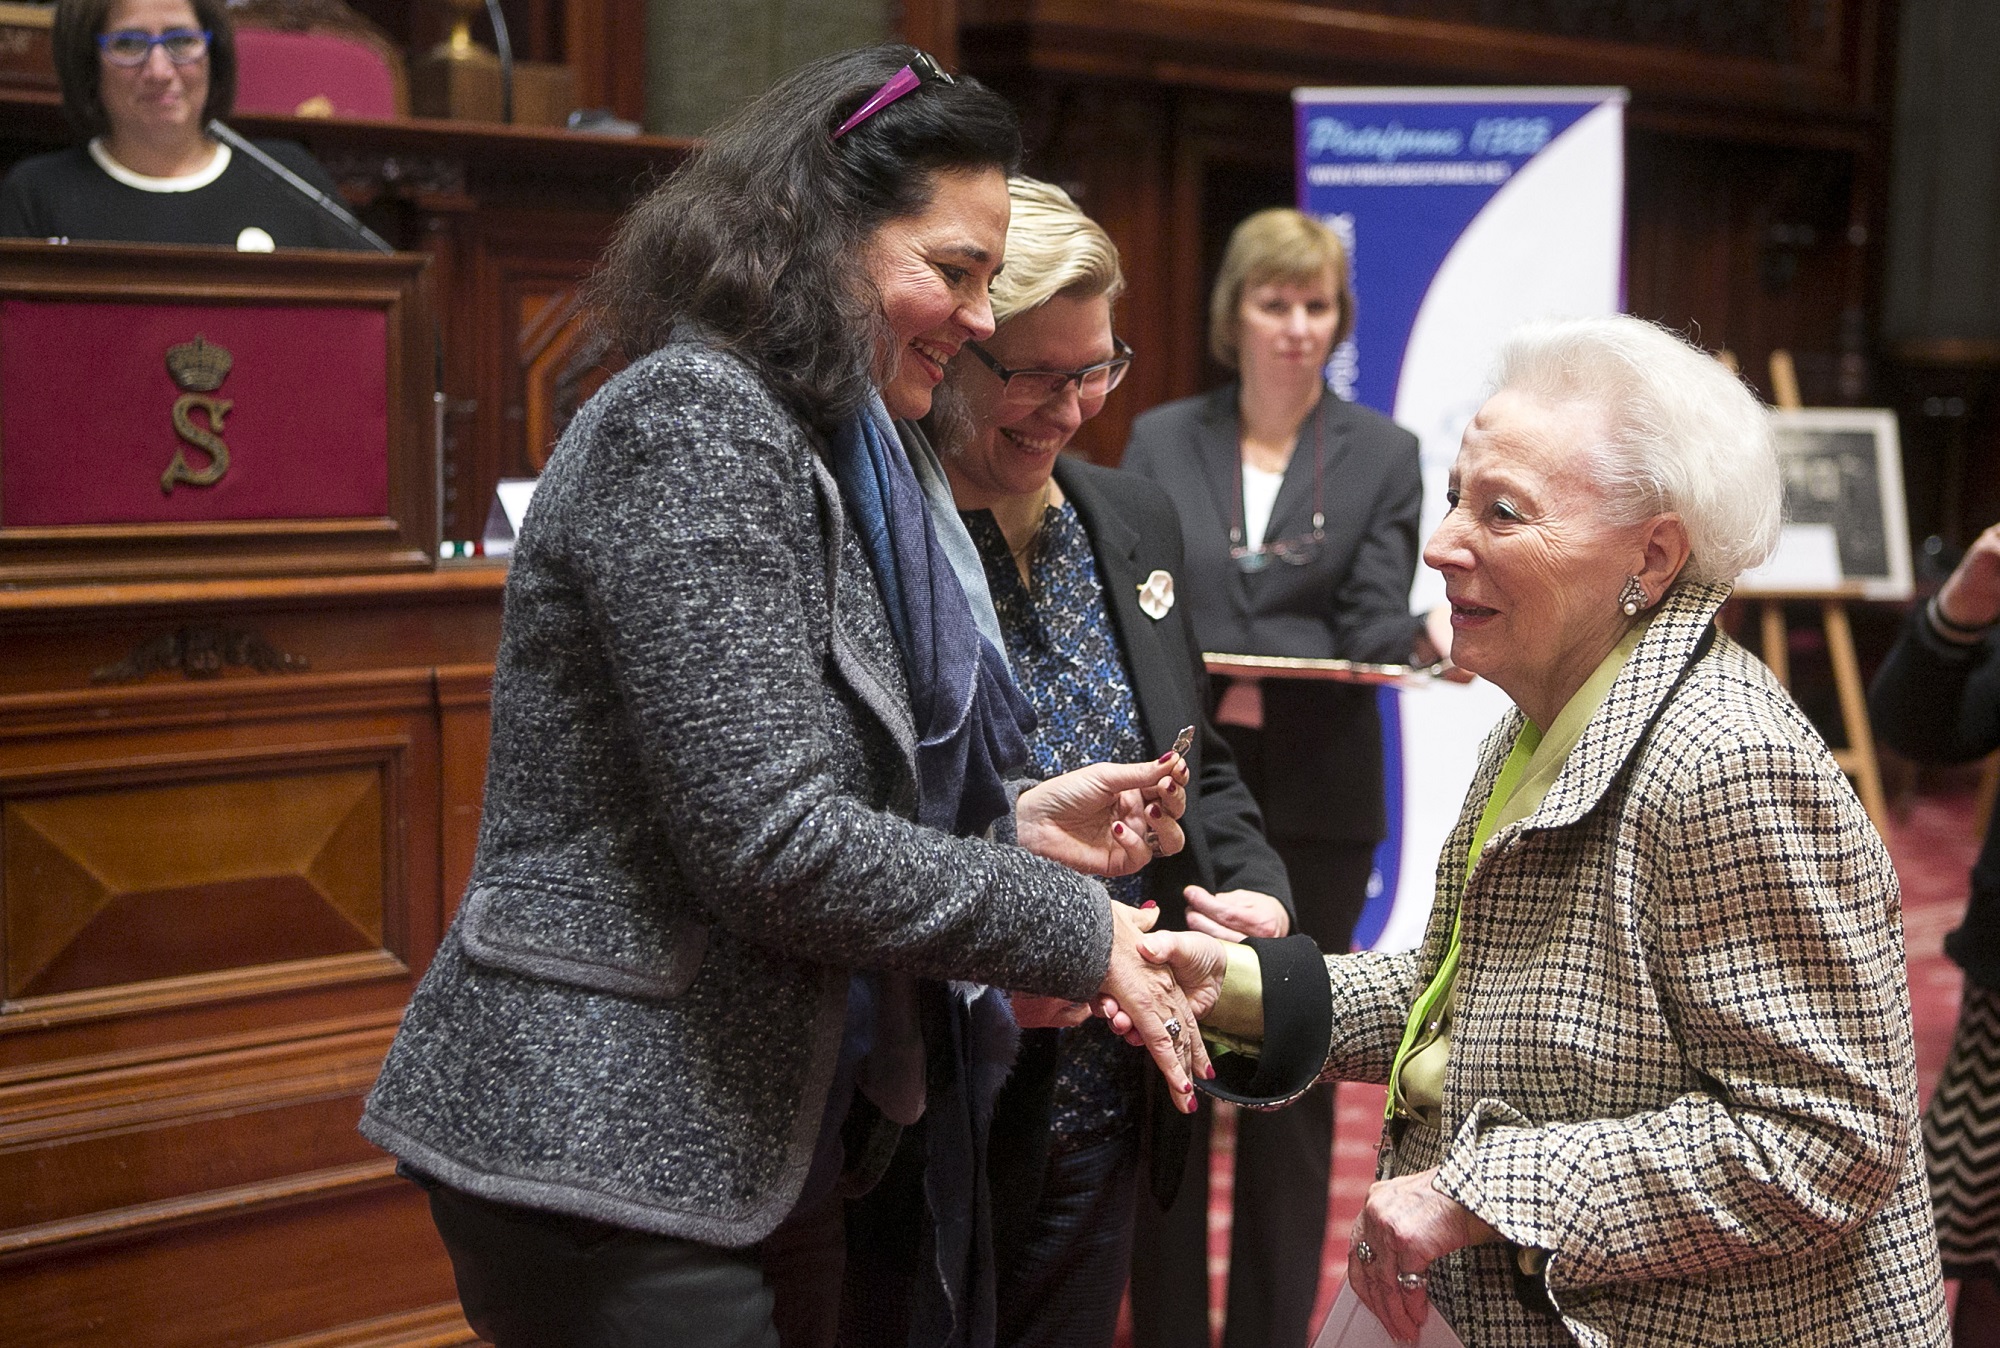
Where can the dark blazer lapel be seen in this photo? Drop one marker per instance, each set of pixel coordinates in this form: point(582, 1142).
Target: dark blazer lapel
point(1163, 707)
point(1162, 681)
point(1325, 432)
point(1216, 450)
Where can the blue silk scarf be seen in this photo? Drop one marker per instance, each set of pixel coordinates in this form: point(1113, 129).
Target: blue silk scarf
point(972, 722)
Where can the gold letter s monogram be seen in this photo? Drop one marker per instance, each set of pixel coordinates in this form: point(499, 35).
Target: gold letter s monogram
point(208, 441)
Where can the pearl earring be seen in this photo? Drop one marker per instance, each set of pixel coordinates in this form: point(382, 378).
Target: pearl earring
point(1633, 597)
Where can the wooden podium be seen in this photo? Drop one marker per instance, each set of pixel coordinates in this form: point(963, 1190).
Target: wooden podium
point(243, 723)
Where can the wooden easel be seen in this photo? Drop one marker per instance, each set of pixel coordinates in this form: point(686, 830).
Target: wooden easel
point(1858, 759)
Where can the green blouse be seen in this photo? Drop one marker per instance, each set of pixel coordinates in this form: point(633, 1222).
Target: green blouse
point(1416, 1076)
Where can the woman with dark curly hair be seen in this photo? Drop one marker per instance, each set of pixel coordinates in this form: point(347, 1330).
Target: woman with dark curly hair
point(141, 80)
point(744, 885)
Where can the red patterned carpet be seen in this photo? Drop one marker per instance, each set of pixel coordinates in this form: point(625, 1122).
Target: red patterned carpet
point(1934, 847)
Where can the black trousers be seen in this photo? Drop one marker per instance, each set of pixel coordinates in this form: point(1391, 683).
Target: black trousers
point(1062, 1287)
point(1283, 1159)
point(531, 1279)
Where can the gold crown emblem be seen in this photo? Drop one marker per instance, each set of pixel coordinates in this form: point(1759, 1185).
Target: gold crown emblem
point(199, 366)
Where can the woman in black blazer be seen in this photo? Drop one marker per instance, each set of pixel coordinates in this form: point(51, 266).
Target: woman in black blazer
point(1083, 564)
point(1298, 514)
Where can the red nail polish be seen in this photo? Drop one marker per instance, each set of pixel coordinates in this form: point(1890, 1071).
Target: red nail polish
point(1152, 811)
point(1167, 756)
point(1208, 1072)
point(1118, 830)
point(1149, 904)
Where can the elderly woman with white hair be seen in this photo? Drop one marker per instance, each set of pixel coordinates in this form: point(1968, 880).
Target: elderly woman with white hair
point(1650, 1074)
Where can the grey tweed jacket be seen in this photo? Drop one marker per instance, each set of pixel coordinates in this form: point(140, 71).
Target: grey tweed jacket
point(1681, 1055)
point(696, 825)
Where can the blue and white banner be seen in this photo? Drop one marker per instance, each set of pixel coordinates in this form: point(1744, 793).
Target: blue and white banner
point(1465, 212)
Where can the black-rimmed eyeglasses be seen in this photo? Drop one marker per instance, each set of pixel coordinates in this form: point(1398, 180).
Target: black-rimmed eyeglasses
point(133, 47)
point(1032, 388)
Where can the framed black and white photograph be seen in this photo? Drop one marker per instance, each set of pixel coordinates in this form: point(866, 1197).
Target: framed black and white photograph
point(1846, 531)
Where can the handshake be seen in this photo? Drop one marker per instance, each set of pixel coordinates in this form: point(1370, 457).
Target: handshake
point(1111, 819)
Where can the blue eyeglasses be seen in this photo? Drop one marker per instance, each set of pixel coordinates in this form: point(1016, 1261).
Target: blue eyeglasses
point(132, 47)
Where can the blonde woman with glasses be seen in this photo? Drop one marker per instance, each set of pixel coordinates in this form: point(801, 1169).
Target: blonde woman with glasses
point(1080, 561)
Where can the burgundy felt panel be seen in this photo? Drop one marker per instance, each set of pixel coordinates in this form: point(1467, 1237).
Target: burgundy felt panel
point(86, 413)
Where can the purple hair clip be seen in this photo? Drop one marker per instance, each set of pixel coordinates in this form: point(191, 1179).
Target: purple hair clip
point(921, 69)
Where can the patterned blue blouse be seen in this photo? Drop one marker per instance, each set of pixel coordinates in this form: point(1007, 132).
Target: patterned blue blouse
point(1067, 662)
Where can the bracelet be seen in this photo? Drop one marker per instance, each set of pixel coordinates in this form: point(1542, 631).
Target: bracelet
point(1951, 631)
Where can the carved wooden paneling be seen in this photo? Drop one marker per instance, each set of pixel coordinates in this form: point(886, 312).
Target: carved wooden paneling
point(603, 41)
point(202, 1122)
point(1753, 248)
point(563, 358)
point(217, 895)
point(156, 860)
point(322, 1249)
point(465, 698)
point(1772, 30)
point(1816, 59)
point(520, 355)
point(115, 884)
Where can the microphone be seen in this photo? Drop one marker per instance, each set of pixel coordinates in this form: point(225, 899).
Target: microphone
point(505, 47)
point(297, 184)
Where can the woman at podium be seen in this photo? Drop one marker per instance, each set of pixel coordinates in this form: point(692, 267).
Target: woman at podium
point(141, 80)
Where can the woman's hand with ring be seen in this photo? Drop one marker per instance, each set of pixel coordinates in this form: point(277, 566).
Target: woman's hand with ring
point(1150, 998)
point(1197, 963)
point(1405, 1226)
point(1169, 790)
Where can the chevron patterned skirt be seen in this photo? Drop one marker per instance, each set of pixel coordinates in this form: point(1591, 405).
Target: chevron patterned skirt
point(1962, 1138)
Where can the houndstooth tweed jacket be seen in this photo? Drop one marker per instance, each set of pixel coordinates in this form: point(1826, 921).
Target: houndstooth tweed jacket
point(1681, 1056)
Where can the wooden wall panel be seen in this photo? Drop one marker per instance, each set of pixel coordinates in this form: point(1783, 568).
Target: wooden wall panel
point(116, 1152)
point(341, 1245)
point(216, 895)
point(171, 872)
point(520, 355)
point(1271, 46)
point(602, 41)
point(1752, 248)
point(465, 694)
